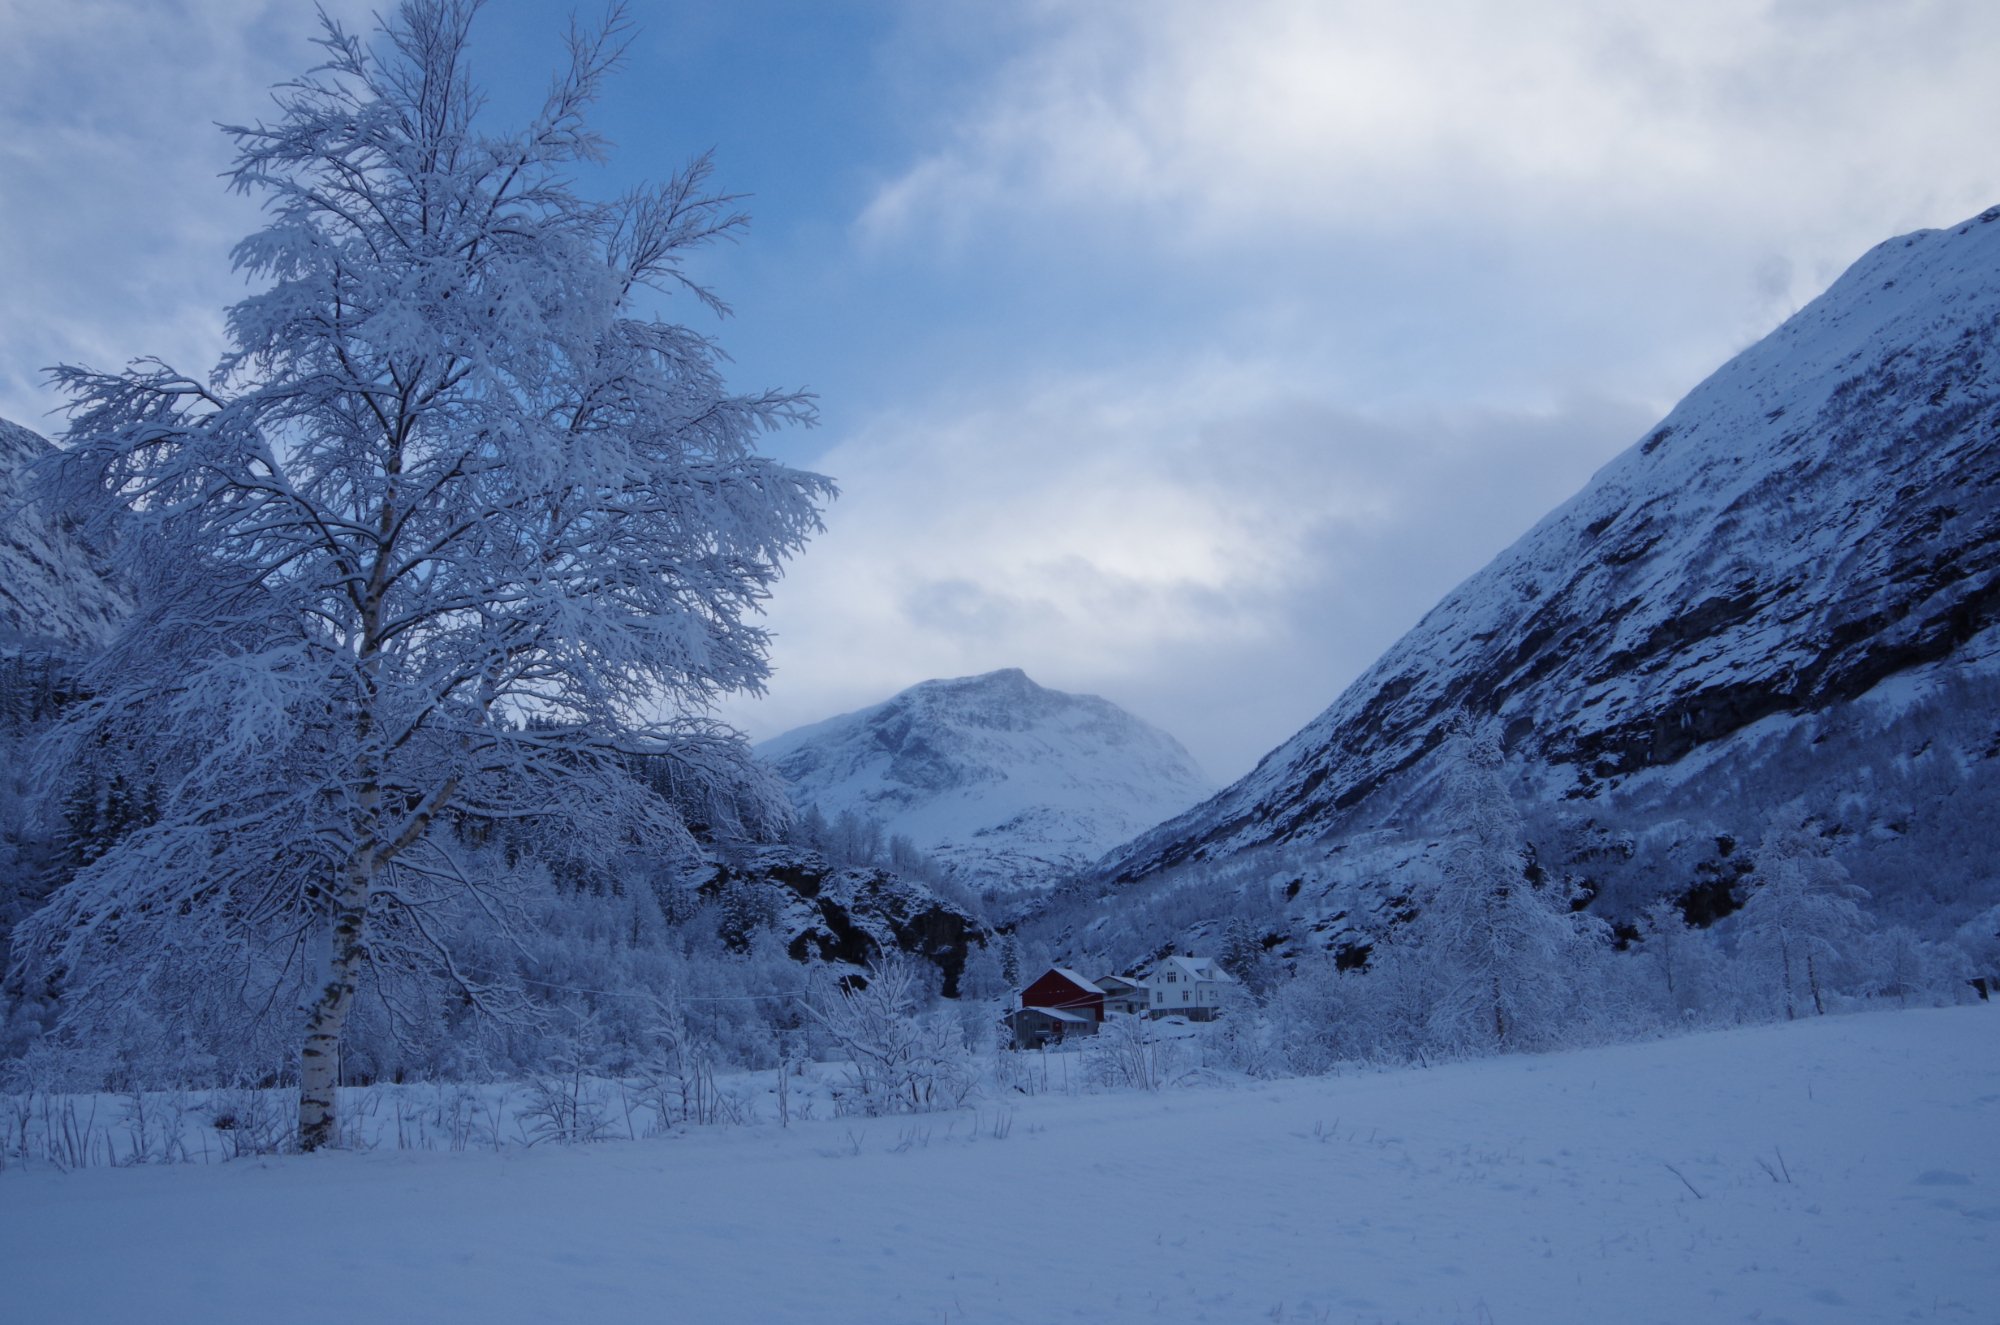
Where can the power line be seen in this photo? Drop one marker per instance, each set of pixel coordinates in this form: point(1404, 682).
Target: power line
point(657, 998)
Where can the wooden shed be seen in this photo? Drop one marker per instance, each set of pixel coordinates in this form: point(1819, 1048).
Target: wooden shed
point(1034, 1027)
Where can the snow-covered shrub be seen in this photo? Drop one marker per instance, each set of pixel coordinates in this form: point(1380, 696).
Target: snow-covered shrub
point(676, 1078)
point(567, 1101)
point(1131, 1052)
point(1324, 1016)
point(900, 1059)
point(250, 1121)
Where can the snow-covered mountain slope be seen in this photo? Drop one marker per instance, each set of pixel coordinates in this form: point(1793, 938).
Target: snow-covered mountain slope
point(53, 589)
point(1009, 785)
point(1788, 589)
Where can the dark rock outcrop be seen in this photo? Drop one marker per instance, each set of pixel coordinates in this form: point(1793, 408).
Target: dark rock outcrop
point(831, 914)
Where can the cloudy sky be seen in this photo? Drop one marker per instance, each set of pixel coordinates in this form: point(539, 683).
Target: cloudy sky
point(1180, 352)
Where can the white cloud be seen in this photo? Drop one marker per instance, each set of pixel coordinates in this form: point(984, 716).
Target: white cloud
point(114, 226)
point(1219, 550)
point(1206, 124)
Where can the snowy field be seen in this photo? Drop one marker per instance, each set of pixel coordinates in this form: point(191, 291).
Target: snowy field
point(1840, 1170)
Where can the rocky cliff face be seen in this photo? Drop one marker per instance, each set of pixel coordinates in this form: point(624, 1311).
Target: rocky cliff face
point(1789, 588)
point(1008, 784)
point(828, 914)
point(57, 605)
point(54, 590)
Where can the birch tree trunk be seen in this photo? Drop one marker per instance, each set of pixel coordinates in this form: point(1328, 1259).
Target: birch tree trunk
point(1785, 964)
point(319, 1060)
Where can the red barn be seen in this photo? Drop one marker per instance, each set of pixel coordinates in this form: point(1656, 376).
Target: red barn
point(1065, 991)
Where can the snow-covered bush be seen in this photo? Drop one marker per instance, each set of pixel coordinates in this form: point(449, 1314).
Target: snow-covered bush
point(1896, 963)
point(900, 1058)
point(1132, 1052)
point(1324, 1016)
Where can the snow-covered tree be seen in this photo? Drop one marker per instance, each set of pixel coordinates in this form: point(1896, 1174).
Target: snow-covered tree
point(1684, 963)
point(1243, 955)
point(1505, 955)
point(1903, 965)
point(456, 532)
point(1977, 942)
point(1804, 915)
point(1324, 1015)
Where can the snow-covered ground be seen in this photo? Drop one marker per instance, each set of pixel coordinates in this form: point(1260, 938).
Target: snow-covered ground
point(1839, 1170)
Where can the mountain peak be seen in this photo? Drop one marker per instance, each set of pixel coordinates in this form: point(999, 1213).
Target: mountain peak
point(1003, 677)
point(1010, 784)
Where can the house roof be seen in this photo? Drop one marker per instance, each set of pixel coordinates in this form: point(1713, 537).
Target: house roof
point(1075, 979)
point(1058, 1014)
point(1120, 981)
point(1198, 969)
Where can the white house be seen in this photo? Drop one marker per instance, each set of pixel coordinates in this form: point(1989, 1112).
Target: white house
point(1191, 987)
